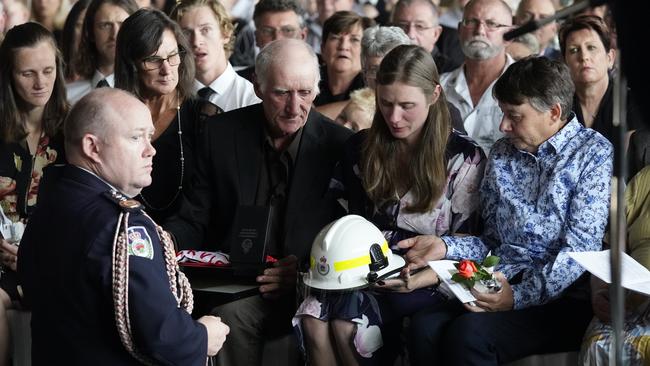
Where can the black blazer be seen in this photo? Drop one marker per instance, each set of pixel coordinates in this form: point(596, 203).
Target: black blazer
point(228, 165)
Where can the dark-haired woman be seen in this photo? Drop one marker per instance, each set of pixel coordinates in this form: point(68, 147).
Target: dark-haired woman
point(71, 37)
point(410, 174)
point(152, 62)
point(341, 53)
point(32, 108)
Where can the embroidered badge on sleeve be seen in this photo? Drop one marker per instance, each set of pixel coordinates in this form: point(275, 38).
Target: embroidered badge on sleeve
point(140, 244)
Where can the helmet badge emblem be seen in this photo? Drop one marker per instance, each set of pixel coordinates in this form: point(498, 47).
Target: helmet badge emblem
point(323, 267)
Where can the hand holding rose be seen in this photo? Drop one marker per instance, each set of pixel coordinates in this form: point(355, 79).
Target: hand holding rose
point(493, 301)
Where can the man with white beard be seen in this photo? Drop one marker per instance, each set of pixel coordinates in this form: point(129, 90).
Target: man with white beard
point(469, 87)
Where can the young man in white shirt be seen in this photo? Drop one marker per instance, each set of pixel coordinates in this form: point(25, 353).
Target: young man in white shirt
point(210, 33)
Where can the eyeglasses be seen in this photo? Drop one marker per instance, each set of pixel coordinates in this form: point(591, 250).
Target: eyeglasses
point(287, 32)
point(419, 27)
point(489, 24)
point(155, 62)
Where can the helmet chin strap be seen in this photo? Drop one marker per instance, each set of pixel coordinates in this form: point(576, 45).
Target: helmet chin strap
point(378, 261)
point(373, 278)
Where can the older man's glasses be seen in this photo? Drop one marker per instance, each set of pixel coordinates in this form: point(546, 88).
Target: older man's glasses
point(270, 32)
point(155, 62)
point(490, 24)
point(419, 27)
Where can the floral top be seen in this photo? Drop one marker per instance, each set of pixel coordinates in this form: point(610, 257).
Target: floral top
point(454, 212)
point(21, 173)
point(537, 208)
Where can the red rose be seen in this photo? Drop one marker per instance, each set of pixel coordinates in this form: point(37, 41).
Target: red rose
point(467, 268)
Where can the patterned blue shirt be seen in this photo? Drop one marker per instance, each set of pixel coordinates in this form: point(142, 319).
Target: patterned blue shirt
point(539, 207)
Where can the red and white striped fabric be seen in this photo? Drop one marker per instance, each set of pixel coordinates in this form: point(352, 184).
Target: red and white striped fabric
point(200, 257)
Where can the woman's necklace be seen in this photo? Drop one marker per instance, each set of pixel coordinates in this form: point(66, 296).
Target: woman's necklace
point(180, 182)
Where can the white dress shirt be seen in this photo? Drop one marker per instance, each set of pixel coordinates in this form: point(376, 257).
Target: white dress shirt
point(231, 91)
point(481, 121)
point(77, 89)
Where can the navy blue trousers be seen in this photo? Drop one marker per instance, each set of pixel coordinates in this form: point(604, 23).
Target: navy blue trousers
point(448, 334)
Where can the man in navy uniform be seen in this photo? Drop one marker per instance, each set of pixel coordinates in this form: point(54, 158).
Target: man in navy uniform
point(100, 277)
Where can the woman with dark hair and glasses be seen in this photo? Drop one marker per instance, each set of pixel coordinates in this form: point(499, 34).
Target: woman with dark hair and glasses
point(32, 108)
point(341, 53)
point(152, 62)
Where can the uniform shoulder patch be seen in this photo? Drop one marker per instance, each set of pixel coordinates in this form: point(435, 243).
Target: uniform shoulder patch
point(126, 204)
point(139, 242)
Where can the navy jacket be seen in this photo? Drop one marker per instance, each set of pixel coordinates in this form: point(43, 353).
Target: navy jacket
point(65, 267)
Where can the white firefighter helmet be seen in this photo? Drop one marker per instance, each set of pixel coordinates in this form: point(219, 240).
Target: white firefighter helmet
point(350, 253)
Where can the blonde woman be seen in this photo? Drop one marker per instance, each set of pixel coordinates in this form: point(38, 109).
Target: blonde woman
point(358, 114)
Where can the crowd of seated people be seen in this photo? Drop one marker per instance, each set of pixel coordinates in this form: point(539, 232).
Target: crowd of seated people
point(416, 116)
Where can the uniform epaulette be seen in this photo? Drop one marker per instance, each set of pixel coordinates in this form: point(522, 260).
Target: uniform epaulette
point(126, 204)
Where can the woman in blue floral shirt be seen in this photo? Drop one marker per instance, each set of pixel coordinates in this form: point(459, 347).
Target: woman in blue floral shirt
point(409, 174)
point(32, 108)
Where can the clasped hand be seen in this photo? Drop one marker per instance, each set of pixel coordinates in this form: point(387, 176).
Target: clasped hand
point(493, 301)
point(217, 332)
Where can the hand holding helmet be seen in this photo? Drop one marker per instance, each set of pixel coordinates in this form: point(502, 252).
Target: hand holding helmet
point(410, 280)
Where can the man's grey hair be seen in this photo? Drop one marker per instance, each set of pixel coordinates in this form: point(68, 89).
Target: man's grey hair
point(435, 12)
point(277, 52)
point(529, 41)
point(377, 41)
